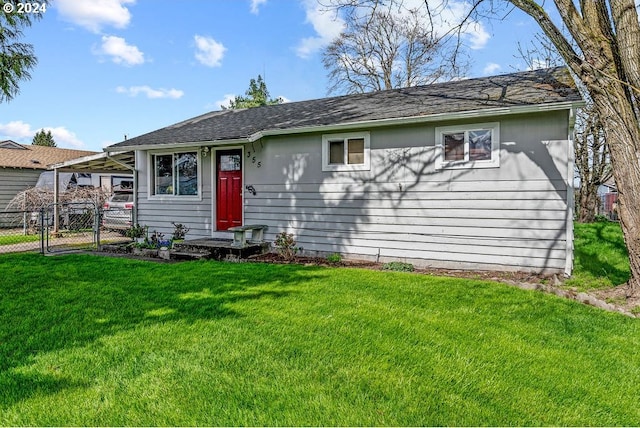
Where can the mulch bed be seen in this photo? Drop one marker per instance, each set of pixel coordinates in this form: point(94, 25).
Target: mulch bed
point(482, 275)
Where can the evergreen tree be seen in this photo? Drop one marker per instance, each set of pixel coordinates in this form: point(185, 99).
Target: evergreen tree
point(256, 96)
point(17, 59)
point(43, 138)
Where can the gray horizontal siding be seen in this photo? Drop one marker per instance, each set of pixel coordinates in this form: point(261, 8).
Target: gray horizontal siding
point(505, 225)
point(14, 181)
point(509, 218)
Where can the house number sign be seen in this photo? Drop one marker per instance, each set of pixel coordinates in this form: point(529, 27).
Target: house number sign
point(252, 156)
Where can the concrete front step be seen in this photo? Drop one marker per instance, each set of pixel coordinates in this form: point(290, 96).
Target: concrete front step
point(217, 249)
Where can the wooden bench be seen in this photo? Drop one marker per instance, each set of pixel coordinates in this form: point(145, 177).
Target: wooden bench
point(240, 234)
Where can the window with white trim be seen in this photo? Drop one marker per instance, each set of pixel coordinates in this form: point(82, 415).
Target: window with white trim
point(175, 174)
point(468, 146)
point(346, 152)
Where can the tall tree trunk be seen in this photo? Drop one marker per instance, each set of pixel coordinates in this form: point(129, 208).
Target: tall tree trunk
point(623, 134)
point(587, 203)
point(613, 81)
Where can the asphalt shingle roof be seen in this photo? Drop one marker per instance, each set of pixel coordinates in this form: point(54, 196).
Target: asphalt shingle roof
point(16, 155)
point(530, 88)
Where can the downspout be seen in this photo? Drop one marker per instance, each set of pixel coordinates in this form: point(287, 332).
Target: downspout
point(571, 160)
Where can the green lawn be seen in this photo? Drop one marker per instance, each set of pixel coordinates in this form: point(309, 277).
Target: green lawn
point(17, 238)
point(88, 340)
point(600, 256)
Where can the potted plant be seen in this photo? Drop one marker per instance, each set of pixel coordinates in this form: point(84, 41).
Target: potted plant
point(179, 232)
point(137, 233)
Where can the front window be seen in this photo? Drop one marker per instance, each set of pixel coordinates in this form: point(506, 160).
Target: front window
point(175, 174)
point(468, 146)
point(345, 152)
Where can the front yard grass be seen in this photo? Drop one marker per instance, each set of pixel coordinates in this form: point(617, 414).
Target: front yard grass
point(88, 340)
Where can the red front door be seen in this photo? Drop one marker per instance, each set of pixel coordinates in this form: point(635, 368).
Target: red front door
point(228, 189)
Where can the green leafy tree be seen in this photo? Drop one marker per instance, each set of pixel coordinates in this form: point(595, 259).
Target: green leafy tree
point(43, 138)
point(256, 96)
point(17, 59)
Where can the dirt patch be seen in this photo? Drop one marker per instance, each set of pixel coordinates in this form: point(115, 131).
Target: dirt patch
point(617, 296)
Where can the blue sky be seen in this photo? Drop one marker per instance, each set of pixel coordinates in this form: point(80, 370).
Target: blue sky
point(113, 67)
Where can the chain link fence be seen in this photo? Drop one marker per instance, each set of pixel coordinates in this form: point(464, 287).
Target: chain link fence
point(62, 227)
point(19, 231)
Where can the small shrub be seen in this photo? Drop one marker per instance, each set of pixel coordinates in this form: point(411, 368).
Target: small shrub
point(136, 231)
point(286, 245)
point(179, 231)
point(398, 266)
point(334, 258)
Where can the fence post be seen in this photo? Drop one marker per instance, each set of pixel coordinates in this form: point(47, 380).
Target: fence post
point(41, 220)
point(96, 226)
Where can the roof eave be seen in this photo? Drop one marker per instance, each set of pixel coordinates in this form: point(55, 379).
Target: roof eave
point(439, 117)
point(376, 123)
point(100, 162)
point(169, 146)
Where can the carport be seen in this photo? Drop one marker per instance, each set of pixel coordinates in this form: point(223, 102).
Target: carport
point(106, 163)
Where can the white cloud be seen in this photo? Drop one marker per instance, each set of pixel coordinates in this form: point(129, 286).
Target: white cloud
point(491, 68)
point(255, 5)
point(453, 14)
point(119, 51)
point(16, 130)
point(326, 24)
point(23, 132)
point(477, 35)
point(134, 91)
point(225, 101)
point(538, 63)
point(95, 14)
point(208, 51)
point(64, 137)
point(445, 16)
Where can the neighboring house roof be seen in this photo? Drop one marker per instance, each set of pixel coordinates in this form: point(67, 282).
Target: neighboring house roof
point(14, 155)
point(515, 92)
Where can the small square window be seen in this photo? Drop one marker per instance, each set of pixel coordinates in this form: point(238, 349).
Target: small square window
point(346, 152)
point(468, 146)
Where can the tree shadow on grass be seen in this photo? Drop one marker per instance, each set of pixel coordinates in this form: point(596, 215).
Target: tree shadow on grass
point(597, 247)
point(56, 303)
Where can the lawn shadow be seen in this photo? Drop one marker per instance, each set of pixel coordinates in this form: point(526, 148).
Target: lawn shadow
point(594, 255)
point(56, 303)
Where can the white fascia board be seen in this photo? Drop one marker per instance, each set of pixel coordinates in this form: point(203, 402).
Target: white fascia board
point(176, 145)
point(73, 162)
point(498, 111)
